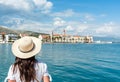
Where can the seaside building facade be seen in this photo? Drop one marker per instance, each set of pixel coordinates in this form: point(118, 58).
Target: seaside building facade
point(5, 38)
point(11, 37)
point(1, 38)
point(47, 38)
point(71, 39)
point(65, 38)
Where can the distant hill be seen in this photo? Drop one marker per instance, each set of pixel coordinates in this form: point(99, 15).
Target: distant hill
point(7, 30)
point(11, 31)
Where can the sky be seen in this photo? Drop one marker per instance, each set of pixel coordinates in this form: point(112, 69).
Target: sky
point(77, 17)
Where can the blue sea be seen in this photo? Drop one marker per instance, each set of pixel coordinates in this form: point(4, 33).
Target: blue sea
point(73, 62)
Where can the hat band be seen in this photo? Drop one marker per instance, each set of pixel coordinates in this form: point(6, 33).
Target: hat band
point(27, 51)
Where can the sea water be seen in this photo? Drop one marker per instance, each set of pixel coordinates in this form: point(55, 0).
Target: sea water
point(73, 62)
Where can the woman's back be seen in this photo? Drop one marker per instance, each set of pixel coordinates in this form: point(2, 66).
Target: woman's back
point(40, 68)
point(26, 68)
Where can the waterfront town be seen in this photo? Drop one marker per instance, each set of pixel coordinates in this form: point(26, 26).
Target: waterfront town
point(48, 38)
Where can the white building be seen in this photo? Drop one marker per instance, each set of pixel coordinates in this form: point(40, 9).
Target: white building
point(8, 38)
point(72, 39)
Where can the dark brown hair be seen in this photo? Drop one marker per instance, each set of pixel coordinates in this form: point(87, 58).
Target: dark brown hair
point(26, 68)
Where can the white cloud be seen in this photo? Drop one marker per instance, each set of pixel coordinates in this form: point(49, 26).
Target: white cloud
point(103, 15)
point(40, 5)
point(36, 26)
point(81, 27)
point(70, 14)
point(69, 28)
point(89, 17)
point(106, 28)
point(48, 5)
point(57, 18)
point(43, 5)
point(78, 26)
point(73, 27)
point(15, 21)
point(58, 22)
point(40, 2)
point(17, 4)
point(73, 22)
point(66, 13)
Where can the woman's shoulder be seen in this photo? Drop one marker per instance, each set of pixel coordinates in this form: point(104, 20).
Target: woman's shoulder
point(11, 67)
point(41, 64)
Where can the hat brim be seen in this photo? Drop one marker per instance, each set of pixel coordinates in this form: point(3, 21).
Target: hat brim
point(22, 55)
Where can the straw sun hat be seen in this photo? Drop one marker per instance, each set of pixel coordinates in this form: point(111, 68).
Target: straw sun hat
point(26, 47)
